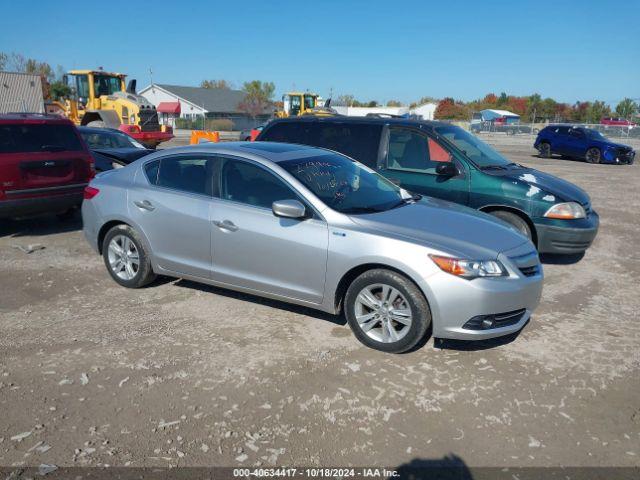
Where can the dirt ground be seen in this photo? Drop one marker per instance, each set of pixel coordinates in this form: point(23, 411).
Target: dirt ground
point(184, 374)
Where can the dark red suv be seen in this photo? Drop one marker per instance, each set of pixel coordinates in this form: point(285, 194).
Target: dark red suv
point(44, 165)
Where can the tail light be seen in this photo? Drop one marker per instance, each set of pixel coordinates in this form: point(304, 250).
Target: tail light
point(90, 192)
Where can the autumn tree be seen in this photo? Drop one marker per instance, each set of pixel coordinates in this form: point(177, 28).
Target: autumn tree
point(258, 97)
point(223, 84)
point(449, 109)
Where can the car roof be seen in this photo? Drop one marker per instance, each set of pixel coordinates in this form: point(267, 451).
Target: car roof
point(33, 118)
point(370, 120)
point(271, 151)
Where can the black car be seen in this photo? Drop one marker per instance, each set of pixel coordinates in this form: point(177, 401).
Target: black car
point(112, 148)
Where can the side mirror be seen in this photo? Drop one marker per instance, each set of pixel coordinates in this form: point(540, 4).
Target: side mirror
point(447, 169)
point(289, 209)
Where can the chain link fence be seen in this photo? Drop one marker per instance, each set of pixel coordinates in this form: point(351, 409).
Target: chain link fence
point(611, 131)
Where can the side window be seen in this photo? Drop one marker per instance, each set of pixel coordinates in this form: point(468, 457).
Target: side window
point(151, 170)
point(287, 132)
point(358, 141)
point(188, 174)
point(82, 87)
point(413, 151)
point(244, 182)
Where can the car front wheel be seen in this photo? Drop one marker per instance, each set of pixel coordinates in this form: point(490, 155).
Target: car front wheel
point(593, 155)
point(126, 258)
point(386, 311)
point(545, 150)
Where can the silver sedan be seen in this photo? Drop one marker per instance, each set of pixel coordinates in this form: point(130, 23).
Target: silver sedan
point(315, 228)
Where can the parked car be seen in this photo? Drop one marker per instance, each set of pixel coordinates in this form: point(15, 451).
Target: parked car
point(444, 161)
point(112, 148)
point(581, 143)
point(617, 121)
point(44, 165)
point(315, 228)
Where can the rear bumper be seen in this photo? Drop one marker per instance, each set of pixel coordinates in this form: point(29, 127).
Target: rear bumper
point(568, 240)
point(152, 138)
point(24, 207)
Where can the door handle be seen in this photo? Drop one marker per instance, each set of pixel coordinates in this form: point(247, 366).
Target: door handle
point(145, 205)
point(225, 225)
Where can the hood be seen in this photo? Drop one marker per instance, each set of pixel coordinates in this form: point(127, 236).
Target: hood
point(559, 188)
point(609, 143)
point(446, 226)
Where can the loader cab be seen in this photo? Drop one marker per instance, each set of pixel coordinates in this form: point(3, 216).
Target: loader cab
point(295, 104)
point(90, 85)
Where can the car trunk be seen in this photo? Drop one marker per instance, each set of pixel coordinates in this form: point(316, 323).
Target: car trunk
point(42, 159)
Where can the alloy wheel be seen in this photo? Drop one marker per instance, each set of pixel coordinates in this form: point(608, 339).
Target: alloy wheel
point(593, 155)
point(383, 313)
point(124, 259)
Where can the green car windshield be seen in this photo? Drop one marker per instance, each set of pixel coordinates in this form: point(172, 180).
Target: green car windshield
point(479, 152)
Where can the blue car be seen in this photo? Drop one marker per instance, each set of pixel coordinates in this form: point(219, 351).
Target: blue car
point(581, 143)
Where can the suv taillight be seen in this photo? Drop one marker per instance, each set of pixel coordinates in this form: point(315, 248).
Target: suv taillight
point(90, 192)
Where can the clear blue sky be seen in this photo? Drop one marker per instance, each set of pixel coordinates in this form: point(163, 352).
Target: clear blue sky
point(582, 50)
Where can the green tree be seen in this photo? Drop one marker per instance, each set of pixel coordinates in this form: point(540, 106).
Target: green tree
point(58, 90)
point(4, 59)
point(394, 103)
point(258, 97)
point(346, 100)
point(372, 103)
point(597, 111)
point(224, 84)
point(626, 108)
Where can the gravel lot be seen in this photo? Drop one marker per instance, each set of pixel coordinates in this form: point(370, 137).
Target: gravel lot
point(184, 374)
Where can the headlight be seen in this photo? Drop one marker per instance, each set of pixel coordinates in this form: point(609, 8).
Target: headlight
point(116, 165)
point(132, 119)
point(469, 268)
point(566, 211)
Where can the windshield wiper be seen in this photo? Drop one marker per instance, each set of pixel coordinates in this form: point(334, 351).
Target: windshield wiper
point(53, 148)
point(493, 167)
point(361, 210)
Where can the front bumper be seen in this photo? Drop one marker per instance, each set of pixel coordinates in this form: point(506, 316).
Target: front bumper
point(25, 207)
point(553, 238)
point(455, 301)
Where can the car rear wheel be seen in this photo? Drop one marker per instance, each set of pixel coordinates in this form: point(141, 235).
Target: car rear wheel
point(593, 155)
point(545, 150)
point(386, 311)
point(515, 220)
point(126, 258)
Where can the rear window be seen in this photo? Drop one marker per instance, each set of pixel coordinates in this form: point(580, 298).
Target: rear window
point(357, 140)
point(38, 138)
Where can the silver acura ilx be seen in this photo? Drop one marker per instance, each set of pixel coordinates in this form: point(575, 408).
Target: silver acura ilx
point(313, 227)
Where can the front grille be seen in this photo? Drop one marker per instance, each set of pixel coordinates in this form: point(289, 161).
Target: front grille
point(149, 120)
point(528, 264)
point(529, 271)
point(496, 320)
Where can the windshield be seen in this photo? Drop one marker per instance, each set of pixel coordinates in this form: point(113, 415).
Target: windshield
point(109, 140)
point(594, 134)
point(105, 85)
point(345, 185)
point(479, 152)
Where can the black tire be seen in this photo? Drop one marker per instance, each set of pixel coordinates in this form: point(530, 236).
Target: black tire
point(143, 273)
point(96, 124)
point(515, 220)
point(544, 150)
point(415, 300)
point(593, 155)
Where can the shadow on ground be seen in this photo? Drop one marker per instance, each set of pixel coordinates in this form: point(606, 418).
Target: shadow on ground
point(310, 312)
point(39, 226)
point(449, 467)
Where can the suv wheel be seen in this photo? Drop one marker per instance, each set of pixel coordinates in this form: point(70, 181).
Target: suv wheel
point(515, 220)
point(126, 258)
point(593, 155)
point(545, 150)
point(386, 311)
